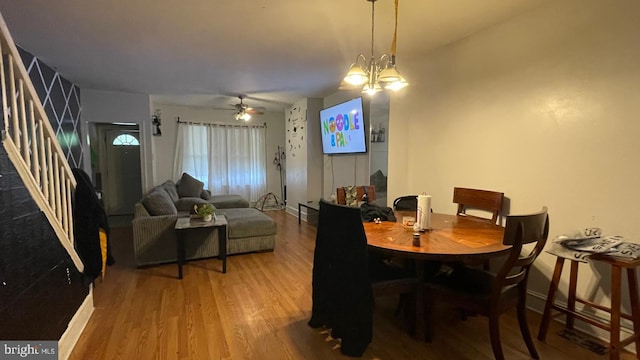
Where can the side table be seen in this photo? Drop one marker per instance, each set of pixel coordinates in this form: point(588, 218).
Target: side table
point(310, 205)
point(186, 224)
point(613, 326)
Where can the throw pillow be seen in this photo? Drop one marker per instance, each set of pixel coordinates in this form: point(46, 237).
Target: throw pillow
point(351, 196)
point(205, 194)
point(170, 187)
point(189, 186)
point(158, 202)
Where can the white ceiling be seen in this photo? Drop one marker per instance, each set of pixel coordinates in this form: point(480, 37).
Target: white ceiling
point(202, 52)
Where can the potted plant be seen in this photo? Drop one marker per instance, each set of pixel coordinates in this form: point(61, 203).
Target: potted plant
point(205, 211)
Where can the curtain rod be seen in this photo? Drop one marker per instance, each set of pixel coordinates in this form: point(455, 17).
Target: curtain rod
point(216, 124)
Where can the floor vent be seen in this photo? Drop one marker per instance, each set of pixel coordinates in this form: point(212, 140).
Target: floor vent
point(583, 341)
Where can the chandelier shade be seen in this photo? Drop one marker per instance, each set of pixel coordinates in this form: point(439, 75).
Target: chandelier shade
point(356, 75)
point(376, 74)
point(389, 74)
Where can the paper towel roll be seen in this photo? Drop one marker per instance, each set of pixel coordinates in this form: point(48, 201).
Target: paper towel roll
point(424, 212)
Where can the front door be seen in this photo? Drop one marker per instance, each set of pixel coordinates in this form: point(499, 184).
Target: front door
point(121, 175)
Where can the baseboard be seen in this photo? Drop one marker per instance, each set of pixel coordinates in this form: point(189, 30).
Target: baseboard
point(292, 210)
point(77, 324)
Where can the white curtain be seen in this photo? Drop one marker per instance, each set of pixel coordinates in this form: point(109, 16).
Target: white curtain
point(228, 159)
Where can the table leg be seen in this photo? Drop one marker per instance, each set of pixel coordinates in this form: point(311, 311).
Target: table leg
point(222, 245)
point(635, 305)
point(180, 253)
point(299, 213)
point(421, 331)
point(616, 282)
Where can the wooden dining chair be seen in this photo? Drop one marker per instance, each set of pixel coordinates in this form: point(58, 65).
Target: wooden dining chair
point(407, 202)
point(351, 195)
point(346, 277)
point(480, 292)
point(490, 201)
point(486, 200)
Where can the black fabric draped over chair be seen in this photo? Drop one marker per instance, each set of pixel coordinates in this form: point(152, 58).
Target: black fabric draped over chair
point(342, 293)
point(346, 277)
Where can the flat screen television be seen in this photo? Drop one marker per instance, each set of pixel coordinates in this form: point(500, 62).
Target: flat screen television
point(342, 128)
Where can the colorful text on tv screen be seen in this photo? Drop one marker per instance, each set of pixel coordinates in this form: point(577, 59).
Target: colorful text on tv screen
point(342, 128)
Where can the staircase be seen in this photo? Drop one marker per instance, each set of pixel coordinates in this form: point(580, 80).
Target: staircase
point(32, 146)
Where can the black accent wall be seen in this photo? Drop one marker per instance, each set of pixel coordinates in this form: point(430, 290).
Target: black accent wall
point(61, 101)
point(40, 287)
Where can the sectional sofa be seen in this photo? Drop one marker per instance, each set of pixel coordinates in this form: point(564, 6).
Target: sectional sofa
point(155, 215)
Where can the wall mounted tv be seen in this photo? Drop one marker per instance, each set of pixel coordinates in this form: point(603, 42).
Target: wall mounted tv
point(342, 128)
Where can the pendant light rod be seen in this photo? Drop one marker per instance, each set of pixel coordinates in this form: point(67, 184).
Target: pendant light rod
point(373, 12)
point(395, 35)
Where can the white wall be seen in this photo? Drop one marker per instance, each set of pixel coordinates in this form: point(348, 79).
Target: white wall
point(379, 150)
point(543, 107)
point(304, 153)
point(164, 146)
point(108, 107)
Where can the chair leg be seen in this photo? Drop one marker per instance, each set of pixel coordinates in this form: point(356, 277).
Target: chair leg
point(486, 265)
point(402, 303)
point(494, 333)
point(548, 307)
point(524, 329)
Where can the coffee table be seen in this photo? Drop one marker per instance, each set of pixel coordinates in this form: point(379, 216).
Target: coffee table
point(187, 224)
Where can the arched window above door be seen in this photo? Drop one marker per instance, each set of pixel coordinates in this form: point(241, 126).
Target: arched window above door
point(125, 140)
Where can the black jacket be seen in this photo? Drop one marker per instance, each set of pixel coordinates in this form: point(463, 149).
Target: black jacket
point(342, 294)
point(370, 212)
point(88, 218)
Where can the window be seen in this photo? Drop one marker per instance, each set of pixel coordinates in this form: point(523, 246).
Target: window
point(228, 159)
point(125, 140)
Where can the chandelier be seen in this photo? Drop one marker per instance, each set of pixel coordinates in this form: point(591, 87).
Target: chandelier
point(380, 74)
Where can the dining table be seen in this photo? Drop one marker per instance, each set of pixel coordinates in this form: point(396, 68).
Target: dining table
point(448, 238)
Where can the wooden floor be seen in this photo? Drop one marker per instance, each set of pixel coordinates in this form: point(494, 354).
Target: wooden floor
point(260, 309)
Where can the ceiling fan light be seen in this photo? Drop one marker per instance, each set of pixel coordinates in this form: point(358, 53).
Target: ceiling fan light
point(242, 115)
point(389, 74)
point(356, 76)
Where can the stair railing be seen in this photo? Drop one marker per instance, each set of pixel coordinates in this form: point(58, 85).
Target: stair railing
point(32, 146)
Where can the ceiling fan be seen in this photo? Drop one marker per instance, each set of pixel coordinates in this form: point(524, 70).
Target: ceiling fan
point(244, 112)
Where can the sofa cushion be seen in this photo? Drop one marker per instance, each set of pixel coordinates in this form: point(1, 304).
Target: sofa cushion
point(186, 203)
point(189, 186)
point(158, 202)
point(247, 222)
point(205, 194)
point(170, 187)
point(228, 201)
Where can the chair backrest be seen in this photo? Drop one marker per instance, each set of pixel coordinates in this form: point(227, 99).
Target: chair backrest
point(478, 199)
point(342, 293)
point(343, 193)
point(408, 202)
point(521, 230)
